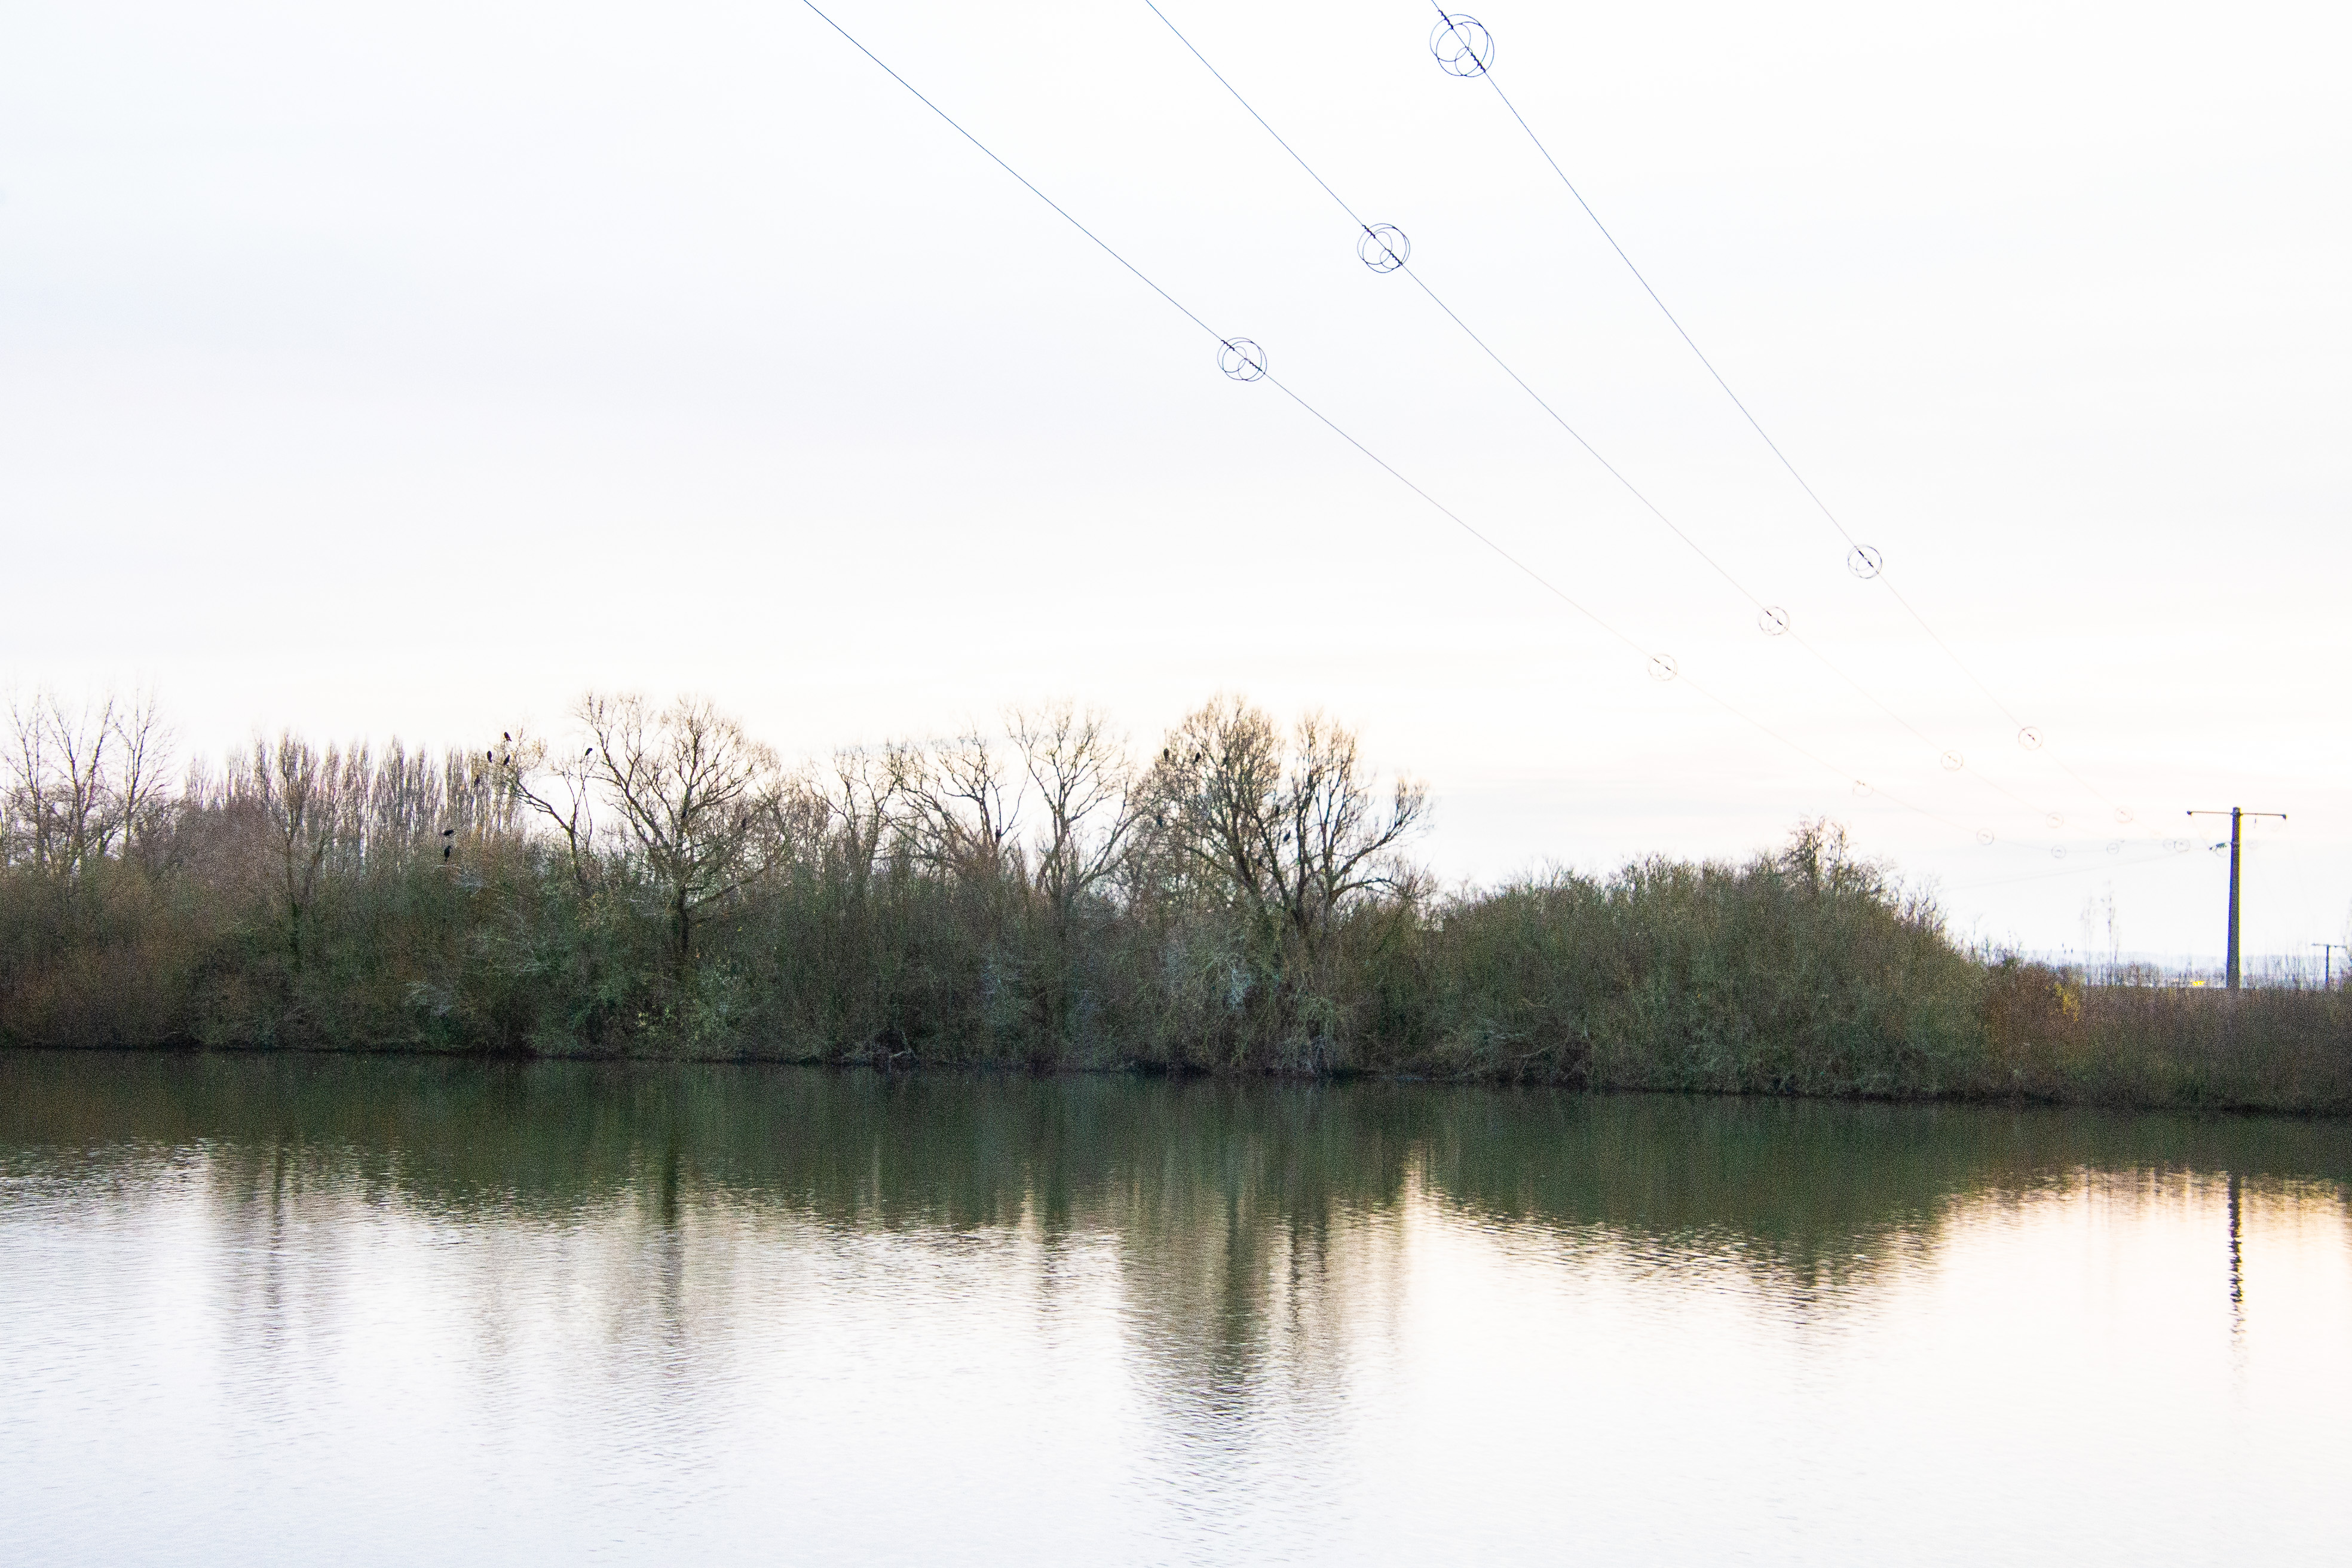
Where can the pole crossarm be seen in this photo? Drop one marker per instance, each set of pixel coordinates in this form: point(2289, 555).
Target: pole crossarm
point(2237, 815)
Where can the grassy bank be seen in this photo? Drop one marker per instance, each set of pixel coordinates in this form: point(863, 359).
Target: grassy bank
point(1241, 903)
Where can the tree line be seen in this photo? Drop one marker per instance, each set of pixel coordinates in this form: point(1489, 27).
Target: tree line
point(651, 879)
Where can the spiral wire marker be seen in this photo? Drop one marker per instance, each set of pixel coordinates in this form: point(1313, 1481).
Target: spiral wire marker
point(1462, 46)
point(1384, 247)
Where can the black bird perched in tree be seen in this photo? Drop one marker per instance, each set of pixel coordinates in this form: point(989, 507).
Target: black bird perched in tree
point(508, 736)
point(444, 851)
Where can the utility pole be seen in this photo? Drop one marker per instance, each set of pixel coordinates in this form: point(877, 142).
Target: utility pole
point(2237, 815)
point(2328, 952)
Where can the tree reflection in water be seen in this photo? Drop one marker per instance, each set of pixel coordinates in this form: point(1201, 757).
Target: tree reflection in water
point(1204, 1308)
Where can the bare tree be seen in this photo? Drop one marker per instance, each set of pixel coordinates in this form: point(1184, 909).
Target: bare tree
point(85, 817)
point(31, 817)
point(860, 793)
point(63, 793)
point(688, 787)
point(143, 744)
point(961, 804)
point(557, 789)
point(1084, 783)
point(1293, 832)
point(408, 802)
point(295, 790)
point(798, 831)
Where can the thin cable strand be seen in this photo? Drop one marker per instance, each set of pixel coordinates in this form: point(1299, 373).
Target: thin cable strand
point(1385, 467)
point(2156, 859)
point(1746, 412)
point(1576, 436)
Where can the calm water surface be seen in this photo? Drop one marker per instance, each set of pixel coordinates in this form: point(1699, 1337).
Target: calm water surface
point(260, 1311)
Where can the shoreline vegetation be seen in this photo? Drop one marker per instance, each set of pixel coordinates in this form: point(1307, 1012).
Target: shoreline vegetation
point(655, 883)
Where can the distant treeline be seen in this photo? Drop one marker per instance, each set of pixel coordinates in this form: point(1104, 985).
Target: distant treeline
point(656, 883)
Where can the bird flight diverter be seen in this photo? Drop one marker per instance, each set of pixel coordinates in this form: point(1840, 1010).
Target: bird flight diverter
point(1662, 667)
point(1462, 45)
point(1242, 359)
point(1864, 561)
point(1773, 620)
point(1384, 247)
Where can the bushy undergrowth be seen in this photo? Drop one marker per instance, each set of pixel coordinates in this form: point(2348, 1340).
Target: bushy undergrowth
point(1789, 974)
point(2049, 1036)
point(1236, 907)
point(1805, 974)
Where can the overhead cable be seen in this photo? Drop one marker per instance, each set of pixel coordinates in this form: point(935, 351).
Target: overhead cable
point(1239, 356)
point(1464, 48)
point(1384, 250)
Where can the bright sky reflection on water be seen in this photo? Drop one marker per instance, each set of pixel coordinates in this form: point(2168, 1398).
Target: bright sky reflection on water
point(399, 1311)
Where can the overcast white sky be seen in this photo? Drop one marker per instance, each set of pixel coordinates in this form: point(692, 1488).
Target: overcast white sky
point(381, 369)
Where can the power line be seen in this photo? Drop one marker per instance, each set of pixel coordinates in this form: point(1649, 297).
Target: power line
point(2092, 868)
point(1770, 617)
point(1477, 54)
point(1661, 665)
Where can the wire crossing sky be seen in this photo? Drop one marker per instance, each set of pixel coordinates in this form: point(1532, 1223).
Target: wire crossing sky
point(1865, 561)
point(405, 372)
point(1242, 361)
point(1771, 620)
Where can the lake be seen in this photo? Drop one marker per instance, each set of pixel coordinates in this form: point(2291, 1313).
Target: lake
point(261, 1310)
